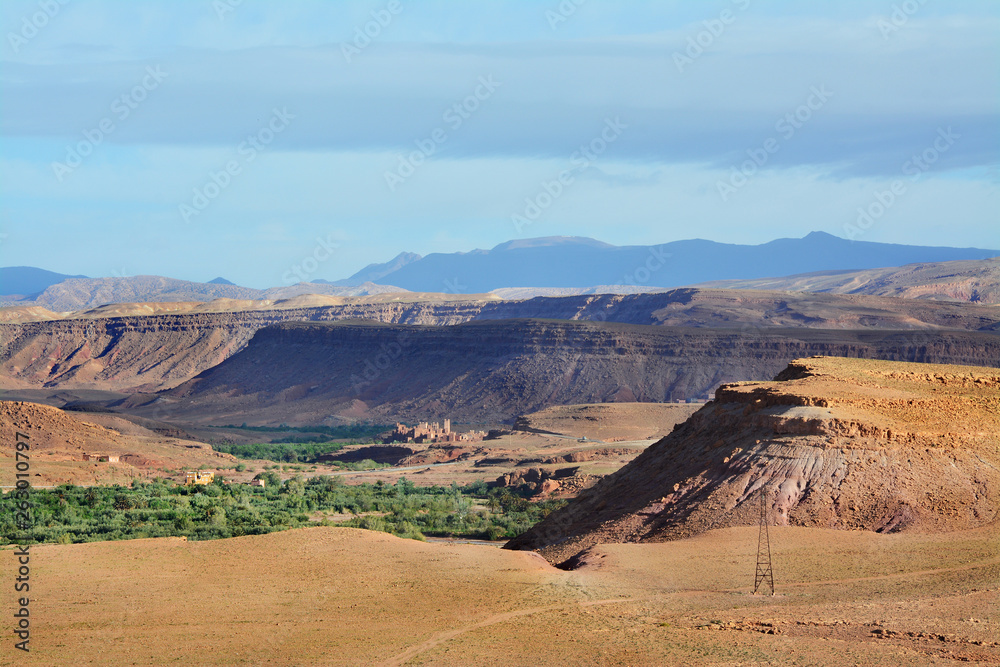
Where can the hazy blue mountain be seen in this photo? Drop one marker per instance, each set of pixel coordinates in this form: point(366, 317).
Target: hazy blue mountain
point(583, 262)
point(220, 281)
point(28, 280)
point(372, 272)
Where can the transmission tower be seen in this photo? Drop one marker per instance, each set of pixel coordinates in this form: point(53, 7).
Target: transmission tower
point(764, 572)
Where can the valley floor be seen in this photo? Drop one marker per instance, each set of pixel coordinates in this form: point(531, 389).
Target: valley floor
point(328, 596)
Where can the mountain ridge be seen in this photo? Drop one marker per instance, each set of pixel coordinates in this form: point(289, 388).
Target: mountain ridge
point(77, 294)
point(26, 281)
point(581, 262)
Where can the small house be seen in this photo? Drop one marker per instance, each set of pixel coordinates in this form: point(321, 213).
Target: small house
point(103, 458)
point(197, 477)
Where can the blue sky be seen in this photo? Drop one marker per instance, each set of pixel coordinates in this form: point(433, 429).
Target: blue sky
point(204, 138)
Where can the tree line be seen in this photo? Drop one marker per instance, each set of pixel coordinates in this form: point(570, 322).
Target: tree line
point(163, 508)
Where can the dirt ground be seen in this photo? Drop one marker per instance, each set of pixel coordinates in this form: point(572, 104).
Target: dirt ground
point(59, 439)
point(330, 596)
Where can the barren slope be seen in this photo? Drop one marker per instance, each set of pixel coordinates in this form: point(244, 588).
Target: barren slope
point(58, 441)
point(837, 443)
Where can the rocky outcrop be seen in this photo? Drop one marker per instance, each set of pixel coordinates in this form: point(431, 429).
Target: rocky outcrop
point(592, 455)
point(540, 482)
point(835, 443)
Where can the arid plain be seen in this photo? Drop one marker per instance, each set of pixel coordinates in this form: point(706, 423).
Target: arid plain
point(344, 596)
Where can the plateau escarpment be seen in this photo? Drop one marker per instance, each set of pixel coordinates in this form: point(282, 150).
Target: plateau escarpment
point(153, 352)
point(833, 443)
point(494, 370)
point(976, 281)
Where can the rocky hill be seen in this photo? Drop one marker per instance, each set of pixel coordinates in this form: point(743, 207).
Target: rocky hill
point(114, 348)
point(60, 440)
point(76, 294)
point(834, 443)
point(299, 372)
point(975, 281)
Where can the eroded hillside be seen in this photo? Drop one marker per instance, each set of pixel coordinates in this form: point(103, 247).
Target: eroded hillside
point(834, 443)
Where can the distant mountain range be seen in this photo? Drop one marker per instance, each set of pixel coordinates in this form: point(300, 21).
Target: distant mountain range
point(577, 262)
point(27, 281)
point(559, 266)
point(374, 272)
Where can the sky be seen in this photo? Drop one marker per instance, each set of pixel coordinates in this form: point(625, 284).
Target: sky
point(260, 139)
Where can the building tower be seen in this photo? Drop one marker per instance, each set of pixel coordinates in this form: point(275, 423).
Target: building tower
point(447, 426)
point(764, 572)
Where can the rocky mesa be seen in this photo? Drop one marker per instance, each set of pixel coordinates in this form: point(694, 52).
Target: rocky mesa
point(831, 442)
point(303, 373)
point(116, 348)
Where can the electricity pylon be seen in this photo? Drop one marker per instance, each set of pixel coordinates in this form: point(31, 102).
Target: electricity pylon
point(764, 572)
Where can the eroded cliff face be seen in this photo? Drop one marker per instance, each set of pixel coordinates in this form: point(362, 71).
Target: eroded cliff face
point(496, 370)
point(835, 443)
point(149, 353)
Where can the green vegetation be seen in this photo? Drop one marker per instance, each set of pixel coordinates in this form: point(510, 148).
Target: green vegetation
point(316, 434)
point(273, 451)
point(162, 508)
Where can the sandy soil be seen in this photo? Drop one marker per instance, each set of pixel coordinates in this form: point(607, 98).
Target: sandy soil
point(330, 596)
point(610, 422)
